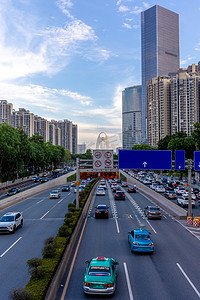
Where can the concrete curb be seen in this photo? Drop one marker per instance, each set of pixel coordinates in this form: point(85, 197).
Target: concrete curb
point(9, 201)
point(52, 291)
point(173, 209)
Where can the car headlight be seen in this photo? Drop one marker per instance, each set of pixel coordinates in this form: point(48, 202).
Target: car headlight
point(10, 226)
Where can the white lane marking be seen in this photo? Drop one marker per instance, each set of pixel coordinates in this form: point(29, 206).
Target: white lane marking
point(139, 210)
point(113, 207)
point(188, 279)
point(117, 225)
point(128, 282)
point(11, 247)
point(151, 226)
point(39, 201)
point(51, 209)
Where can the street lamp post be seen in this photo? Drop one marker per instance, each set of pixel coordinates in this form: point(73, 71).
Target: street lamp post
point(189, 167)
point(77, 180)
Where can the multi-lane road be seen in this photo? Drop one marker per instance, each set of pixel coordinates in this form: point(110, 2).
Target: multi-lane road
point(171, 273)
point(42, 218)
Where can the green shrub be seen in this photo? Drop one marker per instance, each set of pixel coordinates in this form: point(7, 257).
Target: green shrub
point(20, 294)
point(49, 250)
point(34, 267)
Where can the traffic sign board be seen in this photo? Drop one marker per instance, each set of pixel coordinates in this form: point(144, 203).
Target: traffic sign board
point(108, 154)
point(98, 163)
point(98, 154)
point(102, 159)
point(145, 159)
point(197, 160)
point(108, 162)
point(179, 159)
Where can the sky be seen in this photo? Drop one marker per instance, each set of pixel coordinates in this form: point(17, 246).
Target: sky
point(71, 59)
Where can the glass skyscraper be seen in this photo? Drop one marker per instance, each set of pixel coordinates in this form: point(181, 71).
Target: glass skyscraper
point(131, 116)
point(160, 48)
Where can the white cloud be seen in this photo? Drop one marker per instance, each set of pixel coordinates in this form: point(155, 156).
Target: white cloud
point(64, 6)
point(121, 1)
point(197, 47)
point(187, 60)
point(128, 26)
point(123, 8)
point(35, 95)
point(136, 10)
point(146, 5)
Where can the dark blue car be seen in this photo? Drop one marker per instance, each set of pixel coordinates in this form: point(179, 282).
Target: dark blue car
point(140, 241)
point(13, 191)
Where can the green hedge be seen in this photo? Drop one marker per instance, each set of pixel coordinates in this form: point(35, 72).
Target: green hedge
point(39, 287)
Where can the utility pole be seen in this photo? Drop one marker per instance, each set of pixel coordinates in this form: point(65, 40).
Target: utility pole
point(189, 167)
point(77, 180)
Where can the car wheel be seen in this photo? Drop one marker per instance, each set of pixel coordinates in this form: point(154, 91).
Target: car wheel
point(21, 225)
point(14, 229)
point(181, 204)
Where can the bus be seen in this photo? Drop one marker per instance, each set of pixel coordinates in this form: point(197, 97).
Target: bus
point(57, 172)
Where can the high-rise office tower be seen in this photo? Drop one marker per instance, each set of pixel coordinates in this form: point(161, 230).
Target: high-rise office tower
point(131, 116)
point(159, 48)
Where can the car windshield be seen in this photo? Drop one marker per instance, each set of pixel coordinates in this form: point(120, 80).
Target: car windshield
point(100, 190)
point(7, 219)
point(12, 190)
point(154, 208)
point(101, 207)
point(142, 237)
point(54, 192)
point(99, 271)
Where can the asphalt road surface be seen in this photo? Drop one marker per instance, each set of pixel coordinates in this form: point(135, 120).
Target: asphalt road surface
point(171, 273)
point(42, 218)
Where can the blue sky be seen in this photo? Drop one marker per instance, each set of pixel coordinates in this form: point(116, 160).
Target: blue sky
point(71, 59)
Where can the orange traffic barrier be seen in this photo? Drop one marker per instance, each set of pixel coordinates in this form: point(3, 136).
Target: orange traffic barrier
point(189, 220)
point(196, 222)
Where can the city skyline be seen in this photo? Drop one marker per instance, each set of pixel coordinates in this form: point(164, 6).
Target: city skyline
point(71, 60)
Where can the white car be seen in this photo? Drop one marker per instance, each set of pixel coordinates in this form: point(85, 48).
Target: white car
point(100, 192)
point(102, 185)
point(11, 221)
point(55, 194)
point(160, 189)
point(186, 194)
point(183, 201)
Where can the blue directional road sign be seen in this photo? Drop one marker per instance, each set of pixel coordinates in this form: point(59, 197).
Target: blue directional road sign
point(197, 160)
point(179, 159)
point(145, 159)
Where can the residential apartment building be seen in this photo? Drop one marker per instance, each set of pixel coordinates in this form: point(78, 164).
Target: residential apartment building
point(159, 48)
point(25, 119)
point(6, 110)
point(173, 104)
point(185, 100)
point(63, 133)
point(81, 148)
point(158, 109)
point(41, 126)
point(131, 116)
point(74, 139)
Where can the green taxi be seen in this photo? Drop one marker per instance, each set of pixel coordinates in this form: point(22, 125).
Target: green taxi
point(100, 276)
